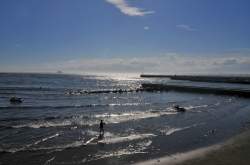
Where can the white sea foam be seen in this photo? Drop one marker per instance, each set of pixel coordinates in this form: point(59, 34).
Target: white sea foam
point(169, 131)
point(217, 103)
point(172, 130)
point(194, 107)
point(90, 140)
point(110, 140)
point(44, 139)
point(49, 160)
point(229, 100)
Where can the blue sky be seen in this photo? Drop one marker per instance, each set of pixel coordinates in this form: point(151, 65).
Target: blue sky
point(142, 36)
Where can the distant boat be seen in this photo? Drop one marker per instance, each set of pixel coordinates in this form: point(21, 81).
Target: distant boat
point(179, 109)
point(59, 72)
point(16, 99)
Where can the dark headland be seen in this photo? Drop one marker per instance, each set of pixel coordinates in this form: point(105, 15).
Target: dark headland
point(59, 72)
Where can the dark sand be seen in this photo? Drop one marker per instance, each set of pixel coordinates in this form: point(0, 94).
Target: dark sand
point(231, 152)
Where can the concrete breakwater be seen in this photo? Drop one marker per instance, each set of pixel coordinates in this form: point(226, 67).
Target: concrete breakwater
point(216, 79)
point(195, 89)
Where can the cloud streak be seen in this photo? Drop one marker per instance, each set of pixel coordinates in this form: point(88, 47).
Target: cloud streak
point(124, 7)
point(185, 27)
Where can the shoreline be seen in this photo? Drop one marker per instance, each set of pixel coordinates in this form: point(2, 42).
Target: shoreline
point(235, 150)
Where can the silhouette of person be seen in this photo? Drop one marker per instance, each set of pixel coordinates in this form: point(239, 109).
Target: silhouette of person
point(101, 127)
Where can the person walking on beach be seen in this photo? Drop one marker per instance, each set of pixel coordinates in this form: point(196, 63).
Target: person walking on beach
point(101, 128)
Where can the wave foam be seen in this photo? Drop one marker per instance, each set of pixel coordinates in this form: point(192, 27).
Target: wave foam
point(127, 138)
point(194, 107)
point(71, 121)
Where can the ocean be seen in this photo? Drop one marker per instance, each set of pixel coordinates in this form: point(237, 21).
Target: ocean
point(57, 123)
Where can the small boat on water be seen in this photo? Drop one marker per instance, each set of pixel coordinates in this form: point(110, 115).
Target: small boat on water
point(16, 99)
point(179, 109)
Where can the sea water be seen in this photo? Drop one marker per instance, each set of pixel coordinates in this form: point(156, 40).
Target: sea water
point(55, 124)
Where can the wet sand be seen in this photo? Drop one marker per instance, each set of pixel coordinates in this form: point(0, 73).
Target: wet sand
point(233, 151)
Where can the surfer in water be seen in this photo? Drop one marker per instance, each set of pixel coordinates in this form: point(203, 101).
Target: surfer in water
point(101, 128)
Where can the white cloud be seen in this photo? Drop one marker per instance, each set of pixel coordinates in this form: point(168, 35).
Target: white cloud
point(126, 9)
point(230, 62)
point(171, 56)
point(146, 28)
point(16, 45)
point(47, 65)
point(185, 27)
point(190, 63)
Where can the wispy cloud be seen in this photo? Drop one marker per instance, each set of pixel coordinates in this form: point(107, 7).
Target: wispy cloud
point(240, 50)
point(185, 27)
point(146, 28)
point(16, 45)
point(124, 7)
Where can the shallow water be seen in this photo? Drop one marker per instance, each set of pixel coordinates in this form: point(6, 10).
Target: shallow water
point(54, 127)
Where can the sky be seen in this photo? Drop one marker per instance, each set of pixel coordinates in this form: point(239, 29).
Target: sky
point(123, 36)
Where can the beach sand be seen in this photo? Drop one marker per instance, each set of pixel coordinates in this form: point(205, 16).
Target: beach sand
point(231, 152)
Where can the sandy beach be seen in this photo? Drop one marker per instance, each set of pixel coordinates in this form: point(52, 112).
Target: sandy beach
point(230, 152)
